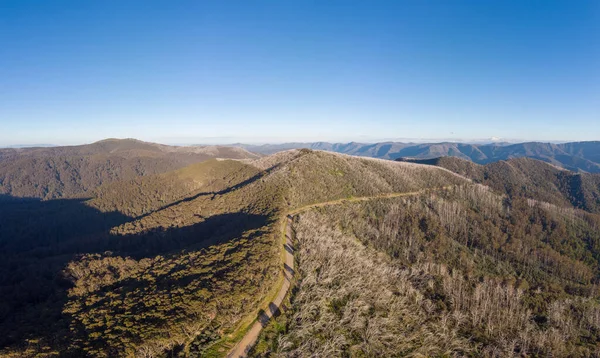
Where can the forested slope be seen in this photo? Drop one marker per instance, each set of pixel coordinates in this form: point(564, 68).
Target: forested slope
point(180, 263)
point(463, 272)
point(67, 172)
point(530, 178)
point(175, 263)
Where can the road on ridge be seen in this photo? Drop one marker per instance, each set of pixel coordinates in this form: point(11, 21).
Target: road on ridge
point(244, 346)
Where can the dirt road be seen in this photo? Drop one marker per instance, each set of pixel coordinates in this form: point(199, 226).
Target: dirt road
point(243, 347)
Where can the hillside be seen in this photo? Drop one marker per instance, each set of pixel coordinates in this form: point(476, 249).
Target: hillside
point(179, 262)
point(67, 172)
point(182, 263)
point(458, 272)
point(392, 258)
point(576, 156)
point(530, 178)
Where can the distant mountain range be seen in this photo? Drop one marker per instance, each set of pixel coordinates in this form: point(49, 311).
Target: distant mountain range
point(576, 156)
point(29, 146)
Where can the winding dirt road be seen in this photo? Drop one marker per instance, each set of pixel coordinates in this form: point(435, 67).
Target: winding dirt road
point(242, 348)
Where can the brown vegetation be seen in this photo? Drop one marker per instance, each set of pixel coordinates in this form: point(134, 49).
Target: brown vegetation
point(171, 262)
point(531, 178)
point(66, 172)
point(179, 263)
point(576, 156)
point(499, 276)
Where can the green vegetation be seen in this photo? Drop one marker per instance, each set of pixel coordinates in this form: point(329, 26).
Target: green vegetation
point(69, 172)
point(178, 303)
point(179, 264)
point(144, 195)
point(114, 287)
point(171, 263)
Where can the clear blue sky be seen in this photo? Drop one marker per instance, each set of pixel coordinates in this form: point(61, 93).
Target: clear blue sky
point(273, 71)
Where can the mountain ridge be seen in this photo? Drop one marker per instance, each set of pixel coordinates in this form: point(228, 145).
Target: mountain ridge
point(174, 259)
point(575, 156)
point(531, 178)
point(182, 263)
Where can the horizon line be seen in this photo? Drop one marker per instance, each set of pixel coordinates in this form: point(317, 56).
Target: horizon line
point(200, 142)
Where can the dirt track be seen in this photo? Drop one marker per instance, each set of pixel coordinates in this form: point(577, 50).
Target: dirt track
point(242, 348)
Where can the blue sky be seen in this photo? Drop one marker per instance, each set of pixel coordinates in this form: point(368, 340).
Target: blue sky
point(273, 71)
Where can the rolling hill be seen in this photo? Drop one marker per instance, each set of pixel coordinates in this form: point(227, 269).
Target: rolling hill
point(67, 172)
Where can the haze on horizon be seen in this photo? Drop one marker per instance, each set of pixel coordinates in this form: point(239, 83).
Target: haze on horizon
point(224, 72)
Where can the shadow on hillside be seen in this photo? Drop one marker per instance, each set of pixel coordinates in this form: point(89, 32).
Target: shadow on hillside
point(39, 238)
point(214, 193)
point(289, 248)
point(214, 230)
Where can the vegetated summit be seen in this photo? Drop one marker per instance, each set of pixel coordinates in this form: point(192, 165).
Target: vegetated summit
point(393, 259)
point(62, 172)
